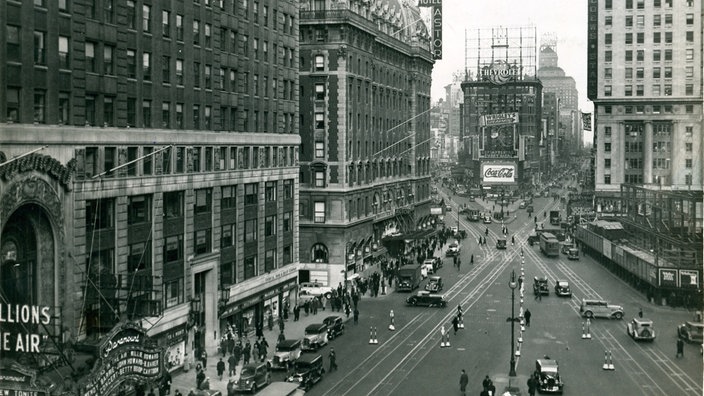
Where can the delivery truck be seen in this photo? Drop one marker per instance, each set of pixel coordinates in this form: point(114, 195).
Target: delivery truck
point(409, 277)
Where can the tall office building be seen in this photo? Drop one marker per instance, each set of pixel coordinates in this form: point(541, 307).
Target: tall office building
point(365, 132)
point(645, 79)
point(149, 170)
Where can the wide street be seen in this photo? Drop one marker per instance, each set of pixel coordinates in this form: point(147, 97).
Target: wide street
point(410, 361)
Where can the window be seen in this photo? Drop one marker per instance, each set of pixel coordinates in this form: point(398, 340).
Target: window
point(607, 147)
point(147, 66)
point(656, 72)
point(668, 37)
point(173, 292)
point(131, 14)
point(139, 257)
point(288, 189)
point(689, 131)
point(629, 72)
point(690, 19)
point(255, 86)
point(607, 131)
point(608, 20)
point(90, 109)
point(173, 204)
point(39, 48)
point(226, 236)
point(629, 55)
point(208, 117)
point(173, 249)
point(40, 106)
point(607, 163)
point(90, 9)
point(607, 4)
point(689, 109)
point(319, 121)
point(207, 71)
point(147, 168)
point(228, 200)
point(63, 53)
point(250, 230)
point(688, 163)
point(607, 72)
point(689, 71)
point(689, 36)
point(64, 108)
point(607, 90)
point(640, 38)
point(270, 191)
point(287, 225)
point(668, 72)
point(629, 4)
point(179, 27)
point(319, 215)
point(668, 19)
point(640, 55)
point(287, 257)
point(99, 214)
point(131, 64)
point(108, 11)
point(179, 71)
point(208, 34)
point(139, 209)
point(166, 115)
point(270, 225)
point(319, 178)
point(640, 90)
point(147, 115)
point(13, 43)
point(250, 194)
point(656, 55)
point(629, 20)
point(108, 60)
point(607, 38)
point(202, 241)
point(146, 18)
point(270, 260)
point(196, 74)
point(196, 32)
point(203, 203)
point(319, 150)
point(109, 111)
point(250, 267)
point(688, 147)
point(640, 72)
point(689, 54)
point(319, 63)
point(656, 37)
point(608, 55)
point(629, 38)
point(689, 89)
point(90, 57)
point(607, 179)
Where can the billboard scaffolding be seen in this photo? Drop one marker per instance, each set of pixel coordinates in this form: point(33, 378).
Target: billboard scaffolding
point(501, 54)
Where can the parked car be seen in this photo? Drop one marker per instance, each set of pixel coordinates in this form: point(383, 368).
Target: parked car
point(314, 289)
point(336, 326)
point(425, 298)
point(453, 249)
point(434, 284)
point(692, 332)
point(454, 230)
point(286, 352)
point(562, 288)
point(448, 208)
point(522, 205)
point(315, 337)
point(573, 254)
point(549, 380)
point(540, 286)
point(307, 371)
point(641, 329)
point(252, 377)
point(600, 308)
point(429, 265)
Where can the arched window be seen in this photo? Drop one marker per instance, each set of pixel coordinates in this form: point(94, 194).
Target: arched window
point(319, 253)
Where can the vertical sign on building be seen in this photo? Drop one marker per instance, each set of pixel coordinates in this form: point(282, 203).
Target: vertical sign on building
point(436, 9)
point(593, 50)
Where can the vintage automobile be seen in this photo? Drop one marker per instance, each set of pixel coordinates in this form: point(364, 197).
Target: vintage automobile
point(549, 380)
point(487, 219)
point(315, 337)
point(286, 352)
point(501, 243)
point(434, 284)
point(336, 326)
point(314, 289)
point(641, 329)
point(453, 249)
point(425, 298)
point(429, 265)
point(691, 331)
point(307, 371)
point(573, 254)
point(540, 286)
point(562, 288)
point(565, 246)
point(600, 308)
point(454, 230)
point(252, 377)
point(280, 388)
point(523, 205)
point(448, 208)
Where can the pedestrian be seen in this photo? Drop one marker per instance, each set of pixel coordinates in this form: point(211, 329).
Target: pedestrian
point(471, 259)
point(527, 315)
point(246, 352)
point(255, 350)
point(464, 380)
point(455, 324)
point(232, 363)
point(486, 382)
point(263, 346)
point(204, 358)
point(333, 362)
point(640, 312)
point(486, 232)
point(531, 386)
point(200, 377)
point(680, 348)
point(220, 367)
point(356, 315)
point(513, 239)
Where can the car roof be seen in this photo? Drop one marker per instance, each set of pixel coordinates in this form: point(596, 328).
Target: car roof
point(308, 357)
point(547, 364)
point(695, 324)
point(332, 318)
point(315, 326)
point(428, 261)
point(435, 278)
point(643, 321)
point(288, 343)
point(541, 278)
point(254, 365)
point(562, 282)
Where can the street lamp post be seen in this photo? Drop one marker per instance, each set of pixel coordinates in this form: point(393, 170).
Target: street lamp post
point(512, 285)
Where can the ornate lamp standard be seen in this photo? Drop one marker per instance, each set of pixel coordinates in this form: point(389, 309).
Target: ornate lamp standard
point(513, 319)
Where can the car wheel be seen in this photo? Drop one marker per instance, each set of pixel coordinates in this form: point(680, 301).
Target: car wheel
point(328, 295)
point(254, 387)
point(645, 333)
point(618, 315)
point(589, 315)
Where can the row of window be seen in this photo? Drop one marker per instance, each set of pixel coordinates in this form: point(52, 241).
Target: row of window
point(656, 90)
point(640, 4)
point(656, 72)
point(642, 109)
point(657, 38)
point(657, 55)
point(146, 161)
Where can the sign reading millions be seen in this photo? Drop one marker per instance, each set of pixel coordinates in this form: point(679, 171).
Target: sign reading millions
point(24, 316)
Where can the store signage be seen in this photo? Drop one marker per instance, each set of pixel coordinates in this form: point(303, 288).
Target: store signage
point(499, 173)
point(435, 211)
point(17, 316)
point(498, 119)
point(436, 6)
point(126, 353)
point(593, 49)
point(689, 278)
point(668, 277)
point(19, 381)
point(500, 72)
point(499, 153)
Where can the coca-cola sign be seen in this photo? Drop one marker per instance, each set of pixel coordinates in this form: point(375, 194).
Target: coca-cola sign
point(499, 173)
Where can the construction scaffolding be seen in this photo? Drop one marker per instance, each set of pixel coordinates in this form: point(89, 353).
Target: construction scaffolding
point(511, 48)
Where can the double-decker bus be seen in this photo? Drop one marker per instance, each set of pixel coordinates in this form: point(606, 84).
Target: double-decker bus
point(549, 244)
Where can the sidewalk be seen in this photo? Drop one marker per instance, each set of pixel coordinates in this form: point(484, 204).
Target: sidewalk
point(185, 381)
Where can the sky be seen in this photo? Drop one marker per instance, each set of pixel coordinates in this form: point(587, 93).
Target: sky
point(566, 19)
